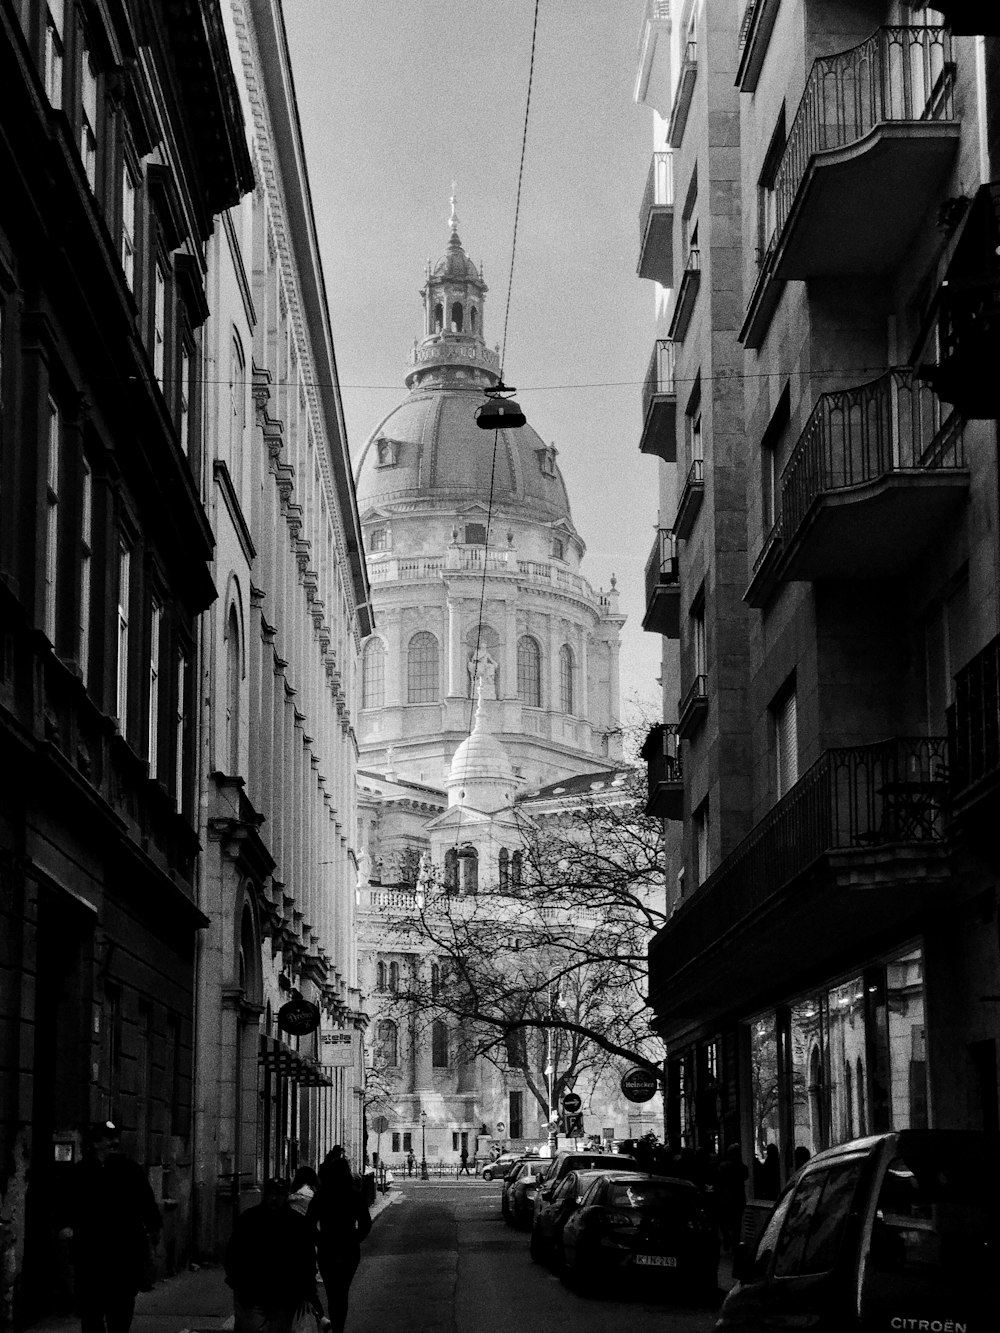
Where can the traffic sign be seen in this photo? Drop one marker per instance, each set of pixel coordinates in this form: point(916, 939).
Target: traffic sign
point(571, 1102)
point(500, 1126)
point(380, 1124)
point(639, 1085)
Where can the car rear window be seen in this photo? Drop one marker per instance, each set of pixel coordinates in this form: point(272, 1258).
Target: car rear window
point(595, 1161)
point(649, 1194)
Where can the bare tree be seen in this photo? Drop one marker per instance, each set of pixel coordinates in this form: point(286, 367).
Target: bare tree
point(547, 967)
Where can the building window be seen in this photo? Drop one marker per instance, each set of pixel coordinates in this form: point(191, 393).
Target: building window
point(472, 318)
point(422, 672)
point(451, 870)
point(378, 539)
point(767, 195)
point(475, 534)
point(124, 588)
point(234, 673)
point(185, 396)
point(387, 1045)
point(180, 729)
point(529, 672)
point(515, 1121)
point(468, 872)
point(558, 548)
point(88, 113)
point(770, 460)
point(155, 621)
point(701, 850)
point(699, 645)
point(785, 740)
point(516, 1043)
point(504, 868)
point(456, 317)
point(129, 213)
point(380, 976)
point(407, 1140)
point(237, 410)
point(566, 700)
point(52, 519)
point(435, 979)
point(159, 322)
point(373, 674)
point(54, 50)
point(86, 556)
point(394, 977)
point(517, 870)
point(385, 453)
point(438, 318)
point(439, 1044)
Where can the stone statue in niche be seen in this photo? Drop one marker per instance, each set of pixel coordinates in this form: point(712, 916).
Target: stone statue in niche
point(483, 667)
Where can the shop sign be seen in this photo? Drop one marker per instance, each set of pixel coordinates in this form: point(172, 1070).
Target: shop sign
point(298, 1017)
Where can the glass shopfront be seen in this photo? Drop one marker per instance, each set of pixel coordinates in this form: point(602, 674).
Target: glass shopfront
point(840, 1062)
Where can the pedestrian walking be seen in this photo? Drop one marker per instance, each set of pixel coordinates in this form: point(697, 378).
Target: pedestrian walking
point(270, 1264)
point(464, 1155)
point(731, 1195)
point(342, 1220)
point(304, 1185)
point(112, 1224)
point(411, 1162)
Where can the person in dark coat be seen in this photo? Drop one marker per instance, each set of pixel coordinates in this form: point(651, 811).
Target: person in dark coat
point(767, 1182)
point(342, 1220)
point(270, 1264)
point(731, 1195)
point(113, 1224)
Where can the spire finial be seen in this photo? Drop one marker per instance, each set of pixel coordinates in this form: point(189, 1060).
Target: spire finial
point(453, 220)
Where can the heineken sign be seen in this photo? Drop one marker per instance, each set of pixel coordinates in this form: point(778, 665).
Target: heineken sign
point(639, 1085)
point(298, 1017)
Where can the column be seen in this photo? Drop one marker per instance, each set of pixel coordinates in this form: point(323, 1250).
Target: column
point(456, 667)
point(510, 648)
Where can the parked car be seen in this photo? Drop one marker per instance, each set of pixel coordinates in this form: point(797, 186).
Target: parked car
point(898, 1230)
point(502, 1166)
point(552, 1207)
point(518, 1198)
point(569, 1160)
point(652, 1228)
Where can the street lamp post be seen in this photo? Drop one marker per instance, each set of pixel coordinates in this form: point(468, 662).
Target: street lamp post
point(423, 1144)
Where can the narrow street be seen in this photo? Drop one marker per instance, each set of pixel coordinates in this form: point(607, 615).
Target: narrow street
point(442, 1260)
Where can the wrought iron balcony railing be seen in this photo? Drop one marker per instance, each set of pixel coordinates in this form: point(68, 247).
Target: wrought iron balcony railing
point(662, 753)
point(857, 435)
point(661, 567)
point(659, 191)
point(897, 74)
point(856, 798)
point(659, 381)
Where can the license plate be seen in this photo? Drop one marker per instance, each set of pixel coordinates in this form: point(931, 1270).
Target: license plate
point(656, 1260)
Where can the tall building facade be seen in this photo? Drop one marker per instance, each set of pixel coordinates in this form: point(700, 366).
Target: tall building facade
point(489, 685)
point(279, 653)
point(827, 968)
point(111, 194)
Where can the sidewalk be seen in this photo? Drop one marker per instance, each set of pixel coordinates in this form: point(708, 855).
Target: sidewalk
point(195, 1301)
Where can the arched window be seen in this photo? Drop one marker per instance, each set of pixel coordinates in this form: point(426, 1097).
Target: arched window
point(394, 977)
point(451, 870)
point(529, 672)
point(468, 868)
point(422, 671)
point(435, 978)
point(456, 317)
point(438, 318)
point(566, 700)
point(380, 977)
point(439, 1045)
point(472, 319)
point(504, 861)
point(517, 869)
point(373, 674)
point(386, 1044)
point(517, 1049)
point(234, 671)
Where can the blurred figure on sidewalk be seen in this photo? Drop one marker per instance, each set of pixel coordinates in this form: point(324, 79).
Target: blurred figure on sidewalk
point(271, 1264)
point(112, 1224)
point(343, 1221)
point(304, 1185)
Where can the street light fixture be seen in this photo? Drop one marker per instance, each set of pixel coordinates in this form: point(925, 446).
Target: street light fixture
point(423, 1144)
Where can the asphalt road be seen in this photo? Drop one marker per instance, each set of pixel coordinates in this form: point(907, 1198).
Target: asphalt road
point(442, 1260)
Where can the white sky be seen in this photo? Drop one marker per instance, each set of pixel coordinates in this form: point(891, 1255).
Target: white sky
point(397, 99)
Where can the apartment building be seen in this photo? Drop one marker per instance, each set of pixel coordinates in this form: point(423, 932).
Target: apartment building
point(111, 189)
point(831, 967)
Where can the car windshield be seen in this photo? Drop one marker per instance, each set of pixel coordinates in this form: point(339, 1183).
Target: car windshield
point(648, 1194)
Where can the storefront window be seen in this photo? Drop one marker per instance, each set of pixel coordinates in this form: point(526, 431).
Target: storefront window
point(904, 984)
point(810, 1074)
point(764, 1082)
point(846, 1005)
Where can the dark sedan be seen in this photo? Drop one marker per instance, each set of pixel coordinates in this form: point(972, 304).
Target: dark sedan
point(518, 1200)
point(652, 1228)
point(552, 1207)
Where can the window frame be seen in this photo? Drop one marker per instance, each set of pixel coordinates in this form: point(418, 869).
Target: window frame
point(154, 665)
point(372, 677)
point(125, 550)
point(567, 672)
point(53, 482)
point(423, 668)
point(529, 691)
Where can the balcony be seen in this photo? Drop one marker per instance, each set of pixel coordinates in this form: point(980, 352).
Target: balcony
point(871, 142)
point(691, 498)
point(974, 738)
point(687, 294)
point(874, 475)
point(663, 589)
point(656, 222)
point(693, 708)
point(682, 98)
point(766, 573)
point(754, 38)
point(661, 751)
point(659, 404)
point(852, 853)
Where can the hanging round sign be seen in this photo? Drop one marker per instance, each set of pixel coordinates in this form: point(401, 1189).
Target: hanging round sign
point(639, 1085)
point(380, 1124)
point(298, 1017)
